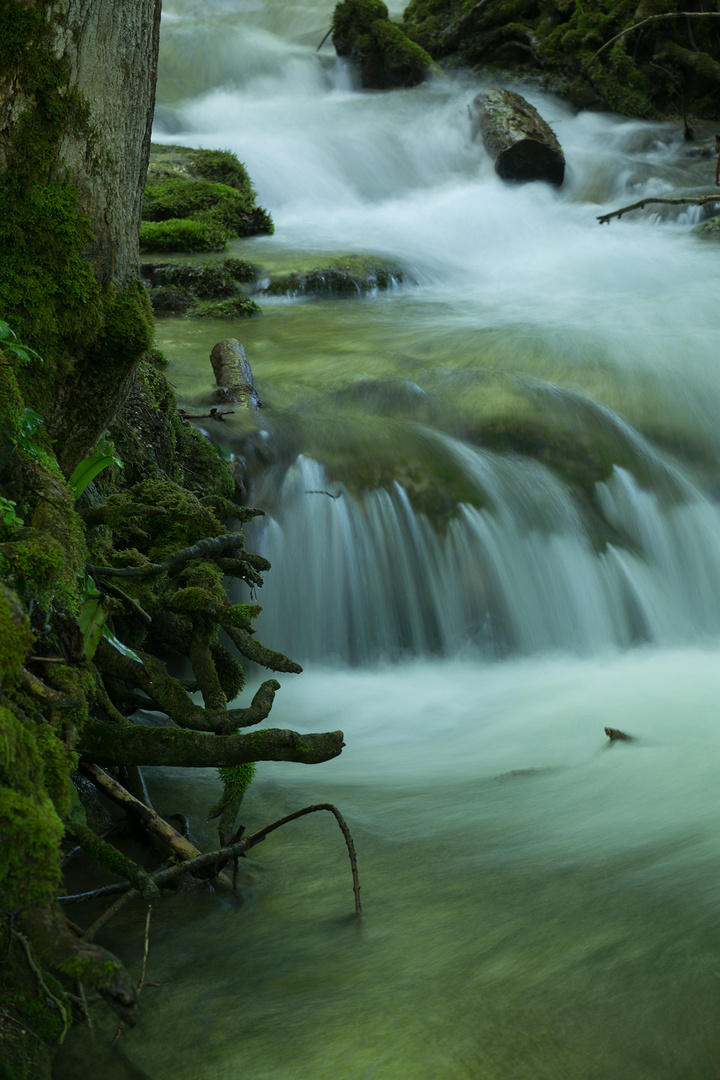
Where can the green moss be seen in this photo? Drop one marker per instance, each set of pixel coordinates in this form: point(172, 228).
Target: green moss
point(47, 290)
point(196, 200)
point(58, 761)
point(240, 307)
point(385, 56)
point(183, 234)
point(30, 835)
point(229, 671)
point(16, 637)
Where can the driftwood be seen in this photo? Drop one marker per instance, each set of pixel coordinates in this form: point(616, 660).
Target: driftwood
point(604, 219)
point(520, 142)
point(213, 862)
point(233, 374)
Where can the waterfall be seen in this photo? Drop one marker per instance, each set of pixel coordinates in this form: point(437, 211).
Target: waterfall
point(491, 504)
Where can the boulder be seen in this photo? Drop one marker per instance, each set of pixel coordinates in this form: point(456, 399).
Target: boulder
point(520, 142)
point(383, 54)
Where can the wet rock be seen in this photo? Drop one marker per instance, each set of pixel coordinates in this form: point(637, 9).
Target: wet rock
point(521, 143)
point(357, 278)
point(201, 289)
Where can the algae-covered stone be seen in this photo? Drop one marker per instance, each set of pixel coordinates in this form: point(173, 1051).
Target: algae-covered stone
point(709, 230)
point(197, 200)
point(351, 277)
point(384, 55)
point(201, 290)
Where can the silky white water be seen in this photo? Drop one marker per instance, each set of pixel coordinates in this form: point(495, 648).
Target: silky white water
point(537, 904)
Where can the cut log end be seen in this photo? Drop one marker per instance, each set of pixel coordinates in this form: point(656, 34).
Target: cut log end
point(522, 145)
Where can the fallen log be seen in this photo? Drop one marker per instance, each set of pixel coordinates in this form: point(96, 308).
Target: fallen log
point(233, 374)
point(520, 142)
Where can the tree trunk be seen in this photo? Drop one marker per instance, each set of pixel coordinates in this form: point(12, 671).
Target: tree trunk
point(76, 102)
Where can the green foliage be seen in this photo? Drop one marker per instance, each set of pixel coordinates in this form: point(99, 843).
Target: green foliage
point(86, 471)
point(9, 344)
point(7, 512)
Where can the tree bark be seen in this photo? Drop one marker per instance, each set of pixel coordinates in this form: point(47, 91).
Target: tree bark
point(521, 144)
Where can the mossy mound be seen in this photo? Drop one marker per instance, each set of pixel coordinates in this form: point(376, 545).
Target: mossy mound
point(201, 289)
point(383, 54)
point(197, 200)
point(658, 70)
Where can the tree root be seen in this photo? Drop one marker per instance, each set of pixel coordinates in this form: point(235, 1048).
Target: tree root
point(109, 856)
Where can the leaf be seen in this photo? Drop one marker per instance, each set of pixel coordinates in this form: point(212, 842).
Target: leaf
point(88, 469)
point(117, 644)
point(91, 620)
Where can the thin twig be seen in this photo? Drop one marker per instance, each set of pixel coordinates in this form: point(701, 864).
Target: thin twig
point(142, 983)
point(328, 493)
point(324, 39)
point(654, 18)
point(701, 200)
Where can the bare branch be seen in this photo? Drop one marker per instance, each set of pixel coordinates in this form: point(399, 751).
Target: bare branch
point(701, 200)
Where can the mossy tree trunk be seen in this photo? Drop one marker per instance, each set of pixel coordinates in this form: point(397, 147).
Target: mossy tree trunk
point(77, 82)
point(76, 103)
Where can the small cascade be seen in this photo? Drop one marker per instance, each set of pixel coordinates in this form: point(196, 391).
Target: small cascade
point(360, 579)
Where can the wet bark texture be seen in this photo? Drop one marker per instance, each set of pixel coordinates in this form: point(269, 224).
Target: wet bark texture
point(521, 144)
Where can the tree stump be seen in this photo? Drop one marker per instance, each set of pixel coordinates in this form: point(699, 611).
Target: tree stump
point(522, 145)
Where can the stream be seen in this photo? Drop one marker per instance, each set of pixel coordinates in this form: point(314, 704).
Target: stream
point(491, 499)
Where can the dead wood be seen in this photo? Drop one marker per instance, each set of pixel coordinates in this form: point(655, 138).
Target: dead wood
point(700, 200)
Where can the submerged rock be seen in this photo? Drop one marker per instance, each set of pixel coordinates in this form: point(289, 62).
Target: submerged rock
point(383, 54)
point(520, 142)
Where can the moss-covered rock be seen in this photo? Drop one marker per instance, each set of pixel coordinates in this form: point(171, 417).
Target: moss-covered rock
point(197, 200)
point(202, 290)
point(654, 71)
point(352, 277)
point(383, 54)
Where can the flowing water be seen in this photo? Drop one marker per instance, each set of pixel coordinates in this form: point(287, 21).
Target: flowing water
point(492, 517)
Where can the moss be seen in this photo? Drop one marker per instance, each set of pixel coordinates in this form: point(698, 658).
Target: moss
point(183, 234)
point(30, 835)
point(16, 637)
point(229, 671)
point(646, 73)
point(196, 200)
point(385, 56)
point(58, 761)
point(240, 307)
point(356, 278)
point(47, 289)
